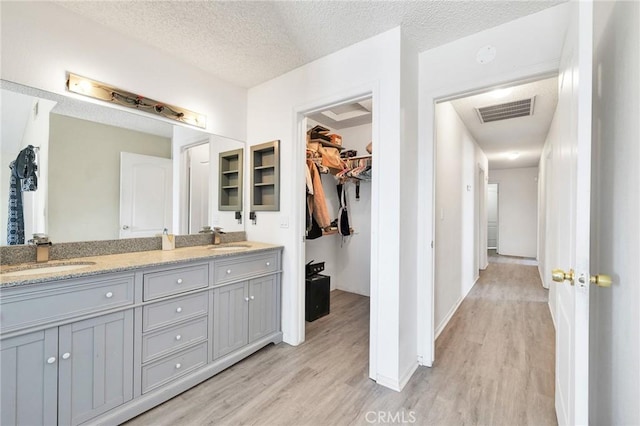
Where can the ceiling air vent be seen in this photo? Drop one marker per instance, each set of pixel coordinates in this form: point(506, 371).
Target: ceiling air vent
point(521, 108)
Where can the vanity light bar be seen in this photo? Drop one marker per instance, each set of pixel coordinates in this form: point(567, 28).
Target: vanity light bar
point(104, 92)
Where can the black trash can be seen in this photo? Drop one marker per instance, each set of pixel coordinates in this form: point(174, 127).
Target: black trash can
point(317, 289)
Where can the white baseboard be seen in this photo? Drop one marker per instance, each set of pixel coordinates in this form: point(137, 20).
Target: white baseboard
point(393, 384)
point(397, 384)
point(404, 379)
point(452, 311)
point(544, 282)
point(553, 318)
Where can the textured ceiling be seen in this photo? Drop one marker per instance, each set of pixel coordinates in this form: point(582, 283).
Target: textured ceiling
point(249, 42)
point(525, 135)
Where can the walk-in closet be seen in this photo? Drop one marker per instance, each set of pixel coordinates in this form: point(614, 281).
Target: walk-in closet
point(338, 238)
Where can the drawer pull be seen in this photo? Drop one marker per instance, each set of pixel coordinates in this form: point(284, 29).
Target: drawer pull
point(268, 263)
point(178, 309)
point(109, 295)
point(246, 299)
point(228, 271)
point(252, 297)
point(66, 355)
point(179, 280)
point(178, 337)
point(178, 365)
point(51, 360)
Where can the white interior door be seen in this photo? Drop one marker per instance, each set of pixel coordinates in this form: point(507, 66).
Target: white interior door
point(569, 239)
point(198, 187)
point(145, 195)
point(492, 216)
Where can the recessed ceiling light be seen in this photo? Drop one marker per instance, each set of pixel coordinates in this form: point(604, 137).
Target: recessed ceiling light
point(501, 93)
point(513, 155)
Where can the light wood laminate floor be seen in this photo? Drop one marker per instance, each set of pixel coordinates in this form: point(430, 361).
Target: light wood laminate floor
point(494, 366)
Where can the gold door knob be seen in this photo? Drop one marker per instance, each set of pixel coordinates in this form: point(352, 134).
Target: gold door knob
point(601, 280)
point(558, 275)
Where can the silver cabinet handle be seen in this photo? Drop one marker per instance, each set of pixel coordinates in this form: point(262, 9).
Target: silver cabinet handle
point(51, 360)
point(268, 263)
point(125, 227)
point(178, 337)
point(228, 271)
point(66, 355)
point(178, 365)
point(251, 297)
point(179, 280)
point(246, 299)
point(178, 309)
point(109, 295)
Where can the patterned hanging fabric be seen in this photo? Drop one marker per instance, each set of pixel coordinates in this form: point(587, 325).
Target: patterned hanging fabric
point(23, 178)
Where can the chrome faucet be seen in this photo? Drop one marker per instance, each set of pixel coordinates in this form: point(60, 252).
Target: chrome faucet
point(42, 243)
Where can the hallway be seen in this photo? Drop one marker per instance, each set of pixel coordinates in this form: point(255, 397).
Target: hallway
point(495, 363)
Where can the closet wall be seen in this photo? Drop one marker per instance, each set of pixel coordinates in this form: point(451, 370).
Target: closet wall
point(348, 261)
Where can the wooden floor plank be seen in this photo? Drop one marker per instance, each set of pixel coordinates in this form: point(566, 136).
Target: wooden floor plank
point(494, 366)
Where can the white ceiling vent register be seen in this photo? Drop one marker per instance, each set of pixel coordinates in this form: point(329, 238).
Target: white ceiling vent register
point(513, 109)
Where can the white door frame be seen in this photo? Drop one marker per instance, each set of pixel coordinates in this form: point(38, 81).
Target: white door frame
point(426, 181)
point(299, 154)
point(183, 183)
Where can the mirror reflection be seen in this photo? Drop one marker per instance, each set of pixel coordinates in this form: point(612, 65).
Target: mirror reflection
point(104, 173)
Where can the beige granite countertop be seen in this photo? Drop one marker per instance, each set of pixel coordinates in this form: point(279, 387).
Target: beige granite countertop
point(124, 262)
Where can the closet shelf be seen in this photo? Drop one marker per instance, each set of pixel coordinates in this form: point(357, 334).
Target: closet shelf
point(230, 187)
point(263, 184)
point(228, 172)
point(263, 167)
point(327, 144)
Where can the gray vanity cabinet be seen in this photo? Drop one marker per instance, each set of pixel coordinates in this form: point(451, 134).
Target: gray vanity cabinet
point(231, 316)
point(243, 313)
point(95, 366)
point(29, 376)
point(105, 348)
point(263, 307)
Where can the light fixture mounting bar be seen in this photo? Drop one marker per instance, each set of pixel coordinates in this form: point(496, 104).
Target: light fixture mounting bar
point(104, 92)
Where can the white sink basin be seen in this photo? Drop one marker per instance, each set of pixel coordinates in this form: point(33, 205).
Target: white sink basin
point(44, 269)
point(230, 247)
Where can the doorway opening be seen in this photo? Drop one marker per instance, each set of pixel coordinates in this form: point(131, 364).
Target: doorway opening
point(338, 220)
point(488, 146)
point(492, 217)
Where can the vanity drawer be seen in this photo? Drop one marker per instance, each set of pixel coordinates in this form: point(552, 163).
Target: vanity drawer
point(174, 281)
point(239, 268)
point(165, 313)
point(174, 338)
point(51, 302)
point(170, 368)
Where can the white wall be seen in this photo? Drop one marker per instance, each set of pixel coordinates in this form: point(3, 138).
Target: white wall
point(458, 157)
point(615, 317)
point(526, 48)
point(274, 112)
point(517, 210)
point(42, 41)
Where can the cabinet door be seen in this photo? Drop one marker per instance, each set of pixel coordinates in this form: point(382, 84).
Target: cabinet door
point(29, 379)
point(230, 315)
point(96, 366)
point(263, 307)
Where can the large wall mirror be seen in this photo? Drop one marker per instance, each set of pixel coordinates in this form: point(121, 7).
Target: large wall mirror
point(105, 173)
